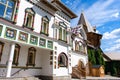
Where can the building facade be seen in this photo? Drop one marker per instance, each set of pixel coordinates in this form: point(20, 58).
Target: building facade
point(35, 40)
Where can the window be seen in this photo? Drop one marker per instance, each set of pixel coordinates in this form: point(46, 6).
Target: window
point(1, 49)
point(45, 25)
point(29, 18)
point(76, 46)
point(79, 46)
point(16, 54)
point(62, 60)
point(55, 33)
point(62, 31)
point(7, 9)
point(31, 56)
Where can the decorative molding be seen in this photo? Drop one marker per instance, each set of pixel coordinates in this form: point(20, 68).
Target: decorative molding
point(33, 40)
point(10, 33)
point(23, 36)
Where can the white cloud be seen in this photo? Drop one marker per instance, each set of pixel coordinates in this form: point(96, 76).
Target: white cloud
point(114, 48)
point(117, 41)
point(116, 15)
point(99, 13)
point(111, 35)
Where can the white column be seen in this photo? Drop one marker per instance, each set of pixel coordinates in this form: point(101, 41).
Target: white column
point(9, 66)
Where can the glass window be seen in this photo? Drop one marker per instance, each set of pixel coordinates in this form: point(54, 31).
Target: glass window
point(6, 9)
point(29, 18)
point(29, 21)
point(16, 54)
point(1, 49)
point(31, 57)
point(62, 60)
point(76, 46)
point(45, 25)
point(62, 32)
point(64, 35)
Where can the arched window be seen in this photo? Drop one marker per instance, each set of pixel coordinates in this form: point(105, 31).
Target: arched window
point(31, 56)
point(62, 60)
point(16, 54)
point(45, 26)
point(1, 49)
point(29, 18)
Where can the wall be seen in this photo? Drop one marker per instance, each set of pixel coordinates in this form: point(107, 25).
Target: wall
point(76, 57)
point(42, 60)
point(39, 13)
point(61, 71)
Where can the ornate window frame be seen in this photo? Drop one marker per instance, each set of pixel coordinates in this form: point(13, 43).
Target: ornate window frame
point(29, 18)
point(79, 46)
point(62, 60)
point(14, 10)
point(76, 46)
point(63, 31)
point(45, 26)
point(31, 56)
point(16, 54)
point(1, 49)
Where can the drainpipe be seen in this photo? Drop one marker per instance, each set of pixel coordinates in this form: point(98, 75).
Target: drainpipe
point(9, 65)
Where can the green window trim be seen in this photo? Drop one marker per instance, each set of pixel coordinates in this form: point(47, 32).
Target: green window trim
point(1, 28)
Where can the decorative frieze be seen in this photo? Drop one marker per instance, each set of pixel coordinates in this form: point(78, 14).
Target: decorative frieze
point(42, 42)
point(10, 33)
point(23, 36)
point(20, 36)
point(33, 40)
point(50, 44)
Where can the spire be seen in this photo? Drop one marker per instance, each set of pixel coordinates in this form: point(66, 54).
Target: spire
point(83, 20)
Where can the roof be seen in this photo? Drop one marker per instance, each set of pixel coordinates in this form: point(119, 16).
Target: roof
point(65, 9)
point(83, 20)
point(49, 5)
point(113, 55)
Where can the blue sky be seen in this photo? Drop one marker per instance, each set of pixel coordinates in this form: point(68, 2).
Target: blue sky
point(105, 15)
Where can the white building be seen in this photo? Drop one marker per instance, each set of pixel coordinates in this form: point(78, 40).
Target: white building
point(35, 40)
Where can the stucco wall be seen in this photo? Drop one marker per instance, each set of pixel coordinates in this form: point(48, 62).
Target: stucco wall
point(39, 13)
point(42, 60)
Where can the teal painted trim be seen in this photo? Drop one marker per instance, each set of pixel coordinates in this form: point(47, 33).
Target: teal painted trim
point(50, 44)
point(1, 28)
point(33, 40)
point(42, 42)
point(23, 37)
point(10, 33)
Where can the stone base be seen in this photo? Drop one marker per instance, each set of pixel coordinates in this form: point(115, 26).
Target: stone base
point(54, 77)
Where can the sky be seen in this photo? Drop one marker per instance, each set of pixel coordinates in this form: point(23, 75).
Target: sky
point(105, 15)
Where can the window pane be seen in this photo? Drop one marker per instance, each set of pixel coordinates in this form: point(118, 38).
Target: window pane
point(9, 13)
point(60, 33)
point(2, 9)
point(11, 3)
point(3, 1)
